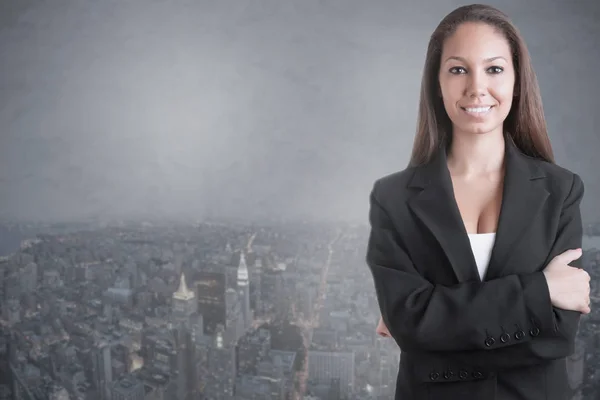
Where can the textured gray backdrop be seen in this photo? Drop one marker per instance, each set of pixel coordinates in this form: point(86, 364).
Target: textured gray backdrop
point(246, 107)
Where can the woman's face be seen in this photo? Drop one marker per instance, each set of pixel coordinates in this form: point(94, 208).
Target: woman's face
point(477, 79)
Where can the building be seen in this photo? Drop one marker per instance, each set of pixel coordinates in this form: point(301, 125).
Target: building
point(184, 300)
point(128, 388)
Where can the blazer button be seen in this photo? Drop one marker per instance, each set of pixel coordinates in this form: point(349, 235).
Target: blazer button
point(519, 335)
point(433, 376)
point(477, 375)
point(463, 374)
point(534, 331)
point(448, 375)
point(489, 342)
point(505, 337)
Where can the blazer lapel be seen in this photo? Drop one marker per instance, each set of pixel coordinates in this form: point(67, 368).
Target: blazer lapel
point(522, 199)
point(435, 206)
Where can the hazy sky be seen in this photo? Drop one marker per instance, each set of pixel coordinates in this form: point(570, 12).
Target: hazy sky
point(246, 107)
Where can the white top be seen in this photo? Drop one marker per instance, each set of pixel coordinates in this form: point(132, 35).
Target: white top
point(481, 245)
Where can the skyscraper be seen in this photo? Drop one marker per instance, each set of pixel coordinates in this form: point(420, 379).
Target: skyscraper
point(184, 300)
point(243, 284)
point(102, 369)
point(5, 370)
point(210, 289)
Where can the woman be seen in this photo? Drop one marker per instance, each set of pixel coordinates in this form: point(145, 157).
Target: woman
point(470, 245)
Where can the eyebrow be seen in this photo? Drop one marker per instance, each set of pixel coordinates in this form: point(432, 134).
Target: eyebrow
point(463, 60)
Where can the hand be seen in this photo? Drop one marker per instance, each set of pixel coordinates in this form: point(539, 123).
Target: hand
point(382, 329)
point(569, 286)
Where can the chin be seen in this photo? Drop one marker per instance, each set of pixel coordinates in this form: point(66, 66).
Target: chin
point(478, 130)
point(483, 132)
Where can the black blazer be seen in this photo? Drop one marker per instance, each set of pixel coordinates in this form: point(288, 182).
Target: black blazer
point(461, 338)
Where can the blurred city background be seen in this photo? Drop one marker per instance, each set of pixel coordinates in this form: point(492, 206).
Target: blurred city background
point(184, 189)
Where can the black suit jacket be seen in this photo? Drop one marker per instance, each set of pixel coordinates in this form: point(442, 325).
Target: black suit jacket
point(462, 338)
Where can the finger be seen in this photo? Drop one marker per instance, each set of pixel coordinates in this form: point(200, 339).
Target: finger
point(586, 306)
point(587, 310)
point(570, 255)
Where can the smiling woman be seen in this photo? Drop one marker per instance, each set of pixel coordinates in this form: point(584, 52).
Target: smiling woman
point(476, 59)
point(475, 247)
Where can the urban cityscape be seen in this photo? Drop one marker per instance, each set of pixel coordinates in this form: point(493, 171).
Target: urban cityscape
point(211, 310)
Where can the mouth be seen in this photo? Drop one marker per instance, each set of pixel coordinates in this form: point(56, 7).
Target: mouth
point(477, 111)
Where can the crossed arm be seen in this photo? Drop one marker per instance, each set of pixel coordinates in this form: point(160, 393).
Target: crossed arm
point(464, 324)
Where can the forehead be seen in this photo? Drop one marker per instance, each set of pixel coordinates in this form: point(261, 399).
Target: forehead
point(475, 41)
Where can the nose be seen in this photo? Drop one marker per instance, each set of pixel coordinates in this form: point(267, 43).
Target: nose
point(382, 329)
point(477, 85)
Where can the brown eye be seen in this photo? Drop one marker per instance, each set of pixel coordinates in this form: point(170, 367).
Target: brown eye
point(495, 70)
point(457, 70)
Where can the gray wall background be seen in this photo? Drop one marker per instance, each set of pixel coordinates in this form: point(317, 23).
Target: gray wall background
point(254, 108)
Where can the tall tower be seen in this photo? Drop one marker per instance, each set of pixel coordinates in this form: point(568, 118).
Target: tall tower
point(209, 287)
point(243, 284)
point(184, 300)
point(6, 355)
point(102, 368)
point(185, 362)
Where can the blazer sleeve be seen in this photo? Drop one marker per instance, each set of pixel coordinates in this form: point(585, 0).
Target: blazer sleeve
point(425, 317)
point(557, 341)
point(570, 236)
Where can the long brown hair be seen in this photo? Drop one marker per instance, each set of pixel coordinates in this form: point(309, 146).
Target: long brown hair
point(525, 123)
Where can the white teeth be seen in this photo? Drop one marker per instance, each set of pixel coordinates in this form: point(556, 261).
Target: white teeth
point(478, 109)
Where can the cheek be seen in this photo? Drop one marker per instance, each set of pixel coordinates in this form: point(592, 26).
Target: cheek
point(451, 95)
point(504, 95)
point(452, 89)
point(505, 99)
point(503, 90)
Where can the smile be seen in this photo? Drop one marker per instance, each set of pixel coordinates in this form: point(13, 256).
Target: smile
point(477, 111)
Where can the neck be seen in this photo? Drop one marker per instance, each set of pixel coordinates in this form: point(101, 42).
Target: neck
point(476, 155)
